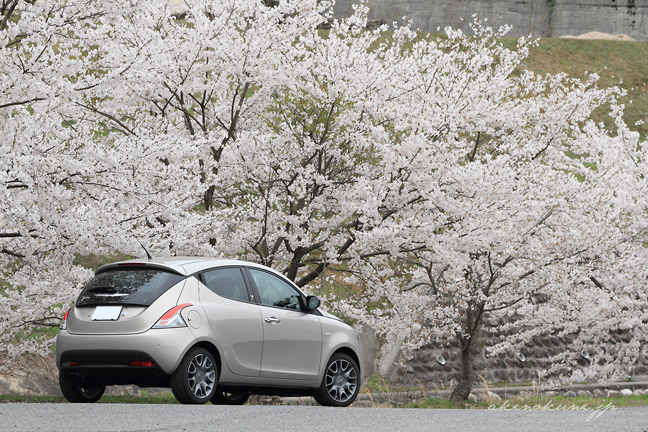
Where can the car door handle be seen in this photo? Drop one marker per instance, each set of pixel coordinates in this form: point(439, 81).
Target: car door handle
point(273, 320)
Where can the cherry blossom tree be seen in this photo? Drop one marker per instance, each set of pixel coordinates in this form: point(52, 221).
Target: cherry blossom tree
point(445, 183)
point(235, 131)
point(529, 200)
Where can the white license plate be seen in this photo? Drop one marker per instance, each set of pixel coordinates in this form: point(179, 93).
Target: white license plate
point(106, 313)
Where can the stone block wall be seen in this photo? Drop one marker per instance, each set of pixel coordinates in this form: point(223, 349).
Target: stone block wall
point(544, 18)
point(506, 367)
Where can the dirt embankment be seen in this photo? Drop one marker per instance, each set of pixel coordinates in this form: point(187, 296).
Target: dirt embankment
point(599, 35)
point(30, 375)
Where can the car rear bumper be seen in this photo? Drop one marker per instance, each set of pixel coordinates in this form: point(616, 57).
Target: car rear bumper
point(111, 367)
point(112, 355)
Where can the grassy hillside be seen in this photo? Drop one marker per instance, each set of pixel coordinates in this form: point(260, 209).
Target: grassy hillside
point(617, 63)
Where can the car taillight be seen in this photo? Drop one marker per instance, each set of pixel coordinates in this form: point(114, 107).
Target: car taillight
point(172, 319)
point(63, 325)
point(142, 363)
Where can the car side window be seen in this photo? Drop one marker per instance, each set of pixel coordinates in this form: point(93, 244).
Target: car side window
point(227, 282)
point(274, 291)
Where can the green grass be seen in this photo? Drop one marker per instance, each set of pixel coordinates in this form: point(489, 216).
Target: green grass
point(536, 403)
point(31, 399)
point(145, 398)
point(377, 384)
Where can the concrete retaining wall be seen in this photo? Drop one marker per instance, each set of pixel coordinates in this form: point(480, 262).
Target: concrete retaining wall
point(609, 16)
point(545, 18)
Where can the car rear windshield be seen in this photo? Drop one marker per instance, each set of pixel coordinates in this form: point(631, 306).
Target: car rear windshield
point(132, 286)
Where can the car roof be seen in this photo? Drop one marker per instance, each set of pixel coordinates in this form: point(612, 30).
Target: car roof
point(183, 265)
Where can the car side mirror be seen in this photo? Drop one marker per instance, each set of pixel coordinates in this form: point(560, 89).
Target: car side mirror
point(312, 302)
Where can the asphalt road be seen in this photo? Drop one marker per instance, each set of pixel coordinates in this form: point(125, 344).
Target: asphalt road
point(126, 417)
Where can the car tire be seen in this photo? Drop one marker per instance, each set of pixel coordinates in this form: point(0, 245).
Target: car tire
point(226, 398)
point(195, 379)
point(340, 384)
point(76, 392)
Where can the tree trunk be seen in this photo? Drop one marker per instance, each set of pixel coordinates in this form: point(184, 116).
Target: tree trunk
point(208, 197)
point(469, 349)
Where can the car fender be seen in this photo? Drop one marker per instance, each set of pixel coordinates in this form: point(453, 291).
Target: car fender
point(337, 335)
point(196, 320)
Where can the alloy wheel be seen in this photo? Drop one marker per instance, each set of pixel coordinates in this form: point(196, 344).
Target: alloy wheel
point(341, 380)
point(201, 376)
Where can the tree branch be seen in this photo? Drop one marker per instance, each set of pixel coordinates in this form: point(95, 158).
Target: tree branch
point(109, 116)
point(21, 102)
point(504, 306)
point(10, 235)
point(12, 253)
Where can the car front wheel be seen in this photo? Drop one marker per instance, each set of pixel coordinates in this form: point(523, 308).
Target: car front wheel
point(194, 381)
point(76, 391)
point(340, 383)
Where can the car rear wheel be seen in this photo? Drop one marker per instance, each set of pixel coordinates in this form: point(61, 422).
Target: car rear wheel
point(340, 383)
point(194, 381)
point(226, 398)
point(76, 391)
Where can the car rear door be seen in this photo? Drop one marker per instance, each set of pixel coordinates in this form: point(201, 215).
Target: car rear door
point(235, 320)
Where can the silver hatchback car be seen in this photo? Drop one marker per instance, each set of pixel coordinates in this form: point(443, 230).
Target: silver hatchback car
point(210, 329)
